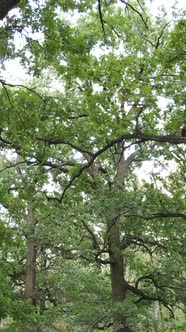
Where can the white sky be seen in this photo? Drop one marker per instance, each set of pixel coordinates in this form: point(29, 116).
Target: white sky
point(154, 4)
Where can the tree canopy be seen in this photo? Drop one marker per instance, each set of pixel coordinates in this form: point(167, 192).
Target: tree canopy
point(92, 167)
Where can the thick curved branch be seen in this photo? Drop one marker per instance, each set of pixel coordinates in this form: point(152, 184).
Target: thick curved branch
point(6, 6)
point(173, 139)
point(150, 277)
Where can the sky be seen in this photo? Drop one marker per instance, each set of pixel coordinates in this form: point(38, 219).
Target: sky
point(154, 4)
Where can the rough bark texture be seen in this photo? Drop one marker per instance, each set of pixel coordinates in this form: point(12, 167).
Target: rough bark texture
point(119, 288)
point(117, 264)
point(6, 6)
point(118, 285)
point(31, 259)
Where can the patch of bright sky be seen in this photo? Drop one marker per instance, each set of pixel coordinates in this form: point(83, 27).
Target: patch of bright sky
point(156, 5)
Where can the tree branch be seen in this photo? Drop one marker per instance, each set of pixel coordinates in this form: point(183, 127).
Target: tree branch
point(6, 6)
point(148, 277)
point(160, 215)
point(101, 18)
point(136, 11)
point(143, 296)
point(4, 83)
point(139, 135)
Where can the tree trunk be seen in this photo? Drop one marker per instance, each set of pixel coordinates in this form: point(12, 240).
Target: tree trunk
point(6, 6)
point(31, 258)
point(118, 285)
point(155, 313)
point(117, 267)
point(30, 276)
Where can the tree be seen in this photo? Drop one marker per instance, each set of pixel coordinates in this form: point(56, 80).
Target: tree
point(118, 104)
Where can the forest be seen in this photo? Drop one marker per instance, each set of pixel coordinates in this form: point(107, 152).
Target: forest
point(92, 167)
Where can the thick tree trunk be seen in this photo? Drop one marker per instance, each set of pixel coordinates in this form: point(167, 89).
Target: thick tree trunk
point(118, 285)
point(31, 258)
point(6, 6)
point(117, 267)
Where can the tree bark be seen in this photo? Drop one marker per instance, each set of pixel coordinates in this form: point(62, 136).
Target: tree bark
point(30, 275)
point(6, 6)
point(31, 258)
point(118, 284)
point(117, 268)
point(117, 263)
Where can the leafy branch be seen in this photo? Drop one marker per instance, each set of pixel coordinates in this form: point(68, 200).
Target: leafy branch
point(4, 83)
point(136, 11)
point(143, 296)
point(136, 135)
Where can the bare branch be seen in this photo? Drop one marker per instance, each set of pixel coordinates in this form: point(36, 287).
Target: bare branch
point(136, 11)
point(101, 18)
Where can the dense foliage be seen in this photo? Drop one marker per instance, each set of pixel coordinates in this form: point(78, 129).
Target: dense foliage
point(92, 168)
